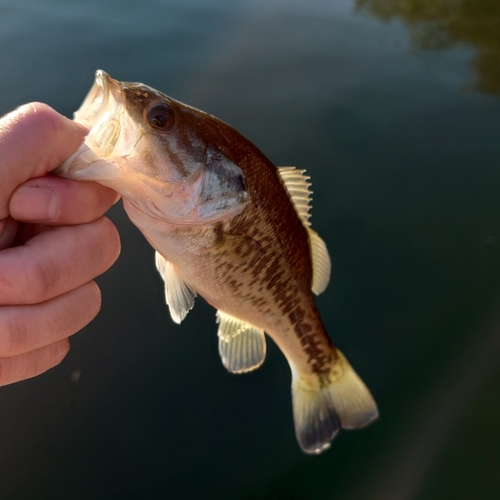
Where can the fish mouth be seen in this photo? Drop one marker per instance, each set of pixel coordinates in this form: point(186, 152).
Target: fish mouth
point(103, 111)
point(103, 99)
point(100, 111)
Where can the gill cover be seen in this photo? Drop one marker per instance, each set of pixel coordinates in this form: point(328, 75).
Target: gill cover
point(152, 150)
point(222, 186)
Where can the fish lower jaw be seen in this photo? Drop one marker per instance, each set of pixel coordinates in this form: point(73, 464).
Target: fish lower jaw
point(146, 214)
point(85, 165)
point(145, 208)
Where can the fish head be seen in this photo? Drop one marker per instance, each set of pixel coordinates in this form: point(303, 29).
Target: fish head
point(163, 156)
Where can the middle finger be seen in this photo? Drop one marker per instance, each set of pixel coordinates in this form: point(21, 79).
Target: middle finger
point(57, 261)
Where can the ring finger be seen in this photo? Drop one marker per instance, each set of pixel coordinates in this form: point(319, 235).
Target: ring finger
point(33, 363)
point(28, 327)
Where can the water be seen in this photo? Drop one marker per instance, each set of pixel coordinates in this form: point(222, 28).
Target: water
point(394, 110)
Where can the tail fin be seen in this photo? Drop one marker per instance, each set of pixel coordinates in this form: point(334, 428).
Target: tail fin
point(320, 411)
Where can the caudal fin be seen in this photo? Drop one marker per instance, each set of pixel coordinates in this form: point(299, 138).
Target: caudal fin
point(320, 410)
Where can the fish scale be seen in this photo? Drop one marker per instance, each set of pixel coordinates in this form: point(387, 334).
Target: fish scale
point(229, 226)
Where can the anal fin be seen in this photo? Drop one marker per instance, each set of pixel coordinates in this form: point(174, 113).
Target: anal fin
point(321, 408)
point(178, 294)
point(242, 347)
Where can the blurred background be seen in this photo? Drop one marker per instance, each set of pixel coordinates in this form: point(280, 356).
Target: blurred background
point(393, 107)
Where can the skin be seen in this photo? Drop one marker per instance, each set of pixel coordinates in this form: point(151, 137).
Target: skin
point(250, 259)
point(216, 209)
point(256, 265)
point(54, 240)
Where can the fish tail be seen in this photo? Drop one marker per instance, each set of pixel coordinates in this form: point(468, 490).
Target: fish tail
point(324, 404)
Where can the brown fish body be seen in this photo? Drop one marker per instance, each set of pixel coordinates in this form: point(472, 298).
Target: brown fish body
point(231, 227)
point(255, 266)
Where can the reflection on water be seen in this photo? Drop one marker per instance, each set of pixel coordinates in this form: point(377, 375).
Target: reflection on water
point(405, 174)
point(438, 24)
point(403, 477)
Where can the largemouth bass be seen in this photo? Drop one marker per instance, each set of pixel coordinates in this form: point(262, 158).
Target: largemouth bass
point(228, 225)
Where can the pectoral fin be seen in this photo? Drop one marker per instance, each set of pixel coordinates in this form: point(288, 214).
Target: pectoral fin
point(178, 294)
point(242, 347)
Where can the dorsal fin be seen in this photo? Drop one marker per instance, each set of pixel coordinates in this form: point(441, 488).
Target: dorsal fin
point(320, 262)
point(178, 295)
point(297, 185)
point(298, 188)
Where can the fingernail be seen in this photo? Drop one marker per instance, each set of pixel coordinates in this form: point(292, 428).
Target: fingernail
point(34, 204)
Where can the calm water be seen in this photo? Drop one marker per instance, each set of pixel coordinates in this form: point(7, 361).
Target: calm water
point(393, 107)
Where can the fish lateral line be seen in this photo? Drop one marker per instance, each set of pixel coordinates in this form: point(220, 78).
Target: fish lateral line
point(228, 225)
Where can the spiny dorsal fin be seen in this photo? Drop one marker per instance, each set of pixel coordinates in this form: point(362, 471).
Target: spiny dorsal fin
point(298, 188)
point(242, 347)
point(178, 295)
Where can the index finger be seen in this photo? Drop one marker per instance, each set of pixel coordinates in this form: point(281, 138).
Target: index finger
point(56, 201)
point(34, 140)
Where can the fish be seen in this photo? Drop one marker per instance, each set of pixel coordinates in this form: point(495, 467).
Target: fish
point(228, 225)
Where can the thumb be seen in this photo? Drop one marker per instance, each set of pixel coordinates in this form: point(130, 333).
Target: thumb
point(34, 139)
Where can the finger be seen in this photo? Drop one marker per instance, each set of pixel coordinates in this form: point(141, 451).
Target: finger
point(25, 328)
point(26, 231)
point(31, 364)
point(8, 230)
point(56, 201)
point(57, 261)
point(34, 139)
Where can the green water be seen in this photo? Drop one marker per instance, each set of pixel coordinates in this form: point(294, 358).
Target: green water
point(393, 108)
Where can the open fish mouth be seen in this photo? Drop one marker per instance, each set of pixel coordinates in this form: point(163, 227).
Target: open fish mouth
point(103, 112)
point(100, 111)
point(174, 176)
point(103, 99)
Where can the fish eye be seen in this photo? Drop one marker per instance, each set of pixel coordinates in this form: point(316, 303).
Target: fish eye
point(161, 117)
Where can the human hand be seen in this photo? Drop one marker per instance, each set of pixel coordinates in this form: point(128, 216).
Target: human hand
point(54, 241)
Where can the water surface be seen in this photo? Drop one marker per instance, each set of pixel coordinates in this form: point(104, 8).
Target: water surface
point(394, 110)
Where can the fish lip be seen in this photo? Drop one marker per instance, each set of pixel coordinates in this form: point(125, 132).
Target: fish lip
point(92, 160)
point(97, 101)
point(110, 85)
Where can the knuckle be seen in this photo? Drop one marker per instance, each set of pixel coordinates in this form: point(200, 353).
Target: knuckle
point(23, 369)
point(10, 371)
point(9, 281)
point(14, 334)
point(42, 115)
point(39, 280)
